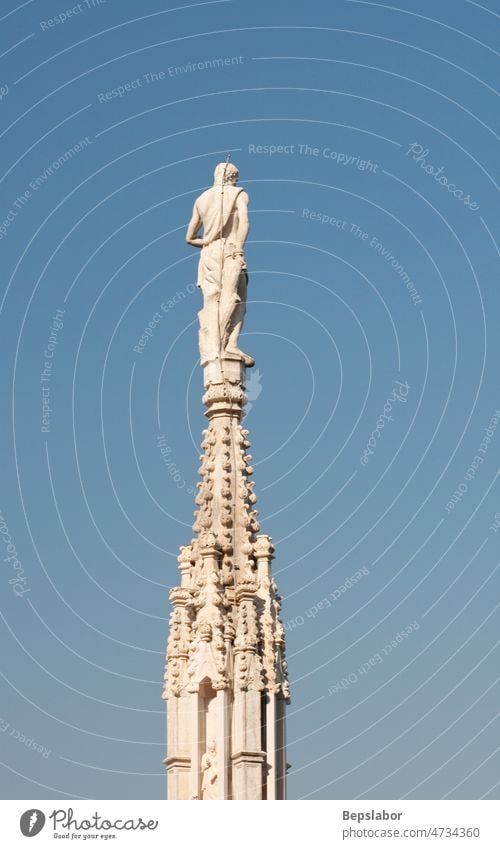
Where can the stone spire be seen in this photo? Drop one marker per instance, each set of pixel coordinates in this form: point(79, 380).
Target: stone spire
point(226, 673)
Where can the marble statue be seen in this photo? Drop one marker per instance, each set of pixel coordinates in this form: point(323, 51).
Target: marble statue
point(209, 770)
point(226, 681)
point(222, 211)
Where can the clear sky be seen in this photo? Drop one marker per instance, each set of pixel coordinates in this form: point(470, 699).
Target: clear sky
point(364, 134)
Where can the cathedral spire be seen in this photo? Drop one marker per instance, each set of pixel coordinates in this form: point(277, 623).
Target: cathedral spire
point(226, 675)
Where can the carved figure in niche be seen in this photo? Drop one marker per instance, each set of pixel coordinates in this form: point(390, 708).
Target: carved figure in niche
point(209, 770)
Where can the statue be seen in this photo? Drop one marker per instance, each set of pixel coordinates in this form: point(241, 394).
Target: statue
point(222, 210)
point(209, 770)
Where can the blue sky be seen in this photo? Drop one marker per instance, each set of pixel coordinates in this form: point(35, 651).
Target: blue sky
point(364, 134)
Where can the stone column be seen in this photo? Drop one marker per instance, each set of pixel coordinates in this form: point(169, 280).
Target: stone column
point(178, 763)
point(272, 758)
point(223, 742)
point(248, 757)
point(282, 765)
point(247, 754)
point(196, 745)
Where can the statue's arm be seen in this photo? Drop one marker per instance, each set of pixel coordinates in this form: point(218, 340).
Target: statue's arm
point(194, 225)
point(243, 222)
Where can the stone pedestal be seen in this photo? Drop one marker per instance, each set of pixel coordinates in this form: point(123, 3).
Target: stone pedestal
point(219, 370)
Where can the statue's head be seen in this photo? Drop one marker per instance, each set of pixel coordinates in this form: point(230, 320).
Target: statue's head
point(226, 172)
point(211, 747)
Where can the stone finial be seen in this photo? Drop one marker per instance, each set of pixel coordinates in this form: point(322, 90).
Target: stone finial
point(263, 546)
point(209, 542)
point(186, 554)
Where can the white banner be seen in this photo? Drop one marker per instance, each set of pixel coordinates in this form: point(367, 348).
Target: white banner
point(143, 823)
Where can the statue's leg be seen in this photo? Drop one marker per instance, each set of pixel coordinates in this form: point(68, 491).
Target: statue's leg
point(236, 319)
point(209, 328)
point(229, 297)
point(209, 277)
point(236, 324)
